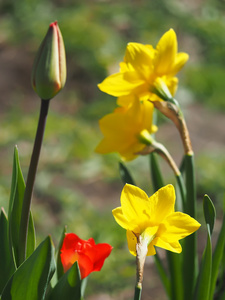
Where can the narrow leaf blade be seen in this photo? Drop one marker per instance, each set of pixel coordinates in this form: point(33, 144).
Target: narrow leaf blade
point(156, 174)
point(217, 258)
point(69, 285)
point(202, 289)
point(31, 279)
point(15, 209)
point(125, 174)
point(7, 266)
point(60, 271)
point(209, 212)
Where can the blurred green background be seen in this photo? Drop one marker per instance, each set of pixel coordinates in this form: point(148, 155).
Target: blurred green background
point(75, 186)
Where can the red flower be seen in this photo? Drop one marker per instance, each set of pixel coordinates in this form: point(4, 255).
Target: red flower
point(90, 256)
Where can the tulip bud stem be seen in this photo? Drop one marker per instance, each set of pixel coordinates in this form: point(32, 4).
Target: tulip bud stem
point(31, 179)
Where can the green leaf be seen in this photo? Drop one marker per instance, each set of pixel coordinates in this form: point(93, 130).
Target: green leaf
point(156, 175)
point(15, 209)
point(60, 271)
point(31, 279)
point(31, 238)
point(162, 274)
point(217, 258)
point(7, 266)
point(209, 212)
point(125, 174)
point(202, 289)
point(69, 285)
point(190, 263)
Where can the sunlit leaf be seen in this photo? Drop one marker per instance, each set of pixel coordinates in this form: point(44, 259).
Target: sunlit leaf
point(7, 266)
point(209, 212)
point(15, 209)
point(68, 286)
point(125, 174)
point(31, 279)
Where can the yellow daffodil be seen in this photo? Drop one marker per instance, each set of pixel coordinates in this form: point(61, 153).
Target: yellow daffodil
point(127, 130)
point(147, 72)
point(153, 219)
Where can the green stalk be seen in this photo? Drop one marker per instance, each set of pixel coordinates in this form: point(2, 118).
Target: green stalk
point(190, 247)
point(137, 292)
point(31, 179)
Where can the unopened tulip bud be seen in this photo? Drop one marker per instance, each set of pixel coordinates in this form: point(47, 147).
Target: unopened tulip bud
point(49, 69)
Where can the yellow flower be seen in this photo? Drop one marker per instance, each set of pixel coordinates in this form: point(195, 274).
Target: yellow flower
point(127, 130)
point(145, 69)
point(153, 218)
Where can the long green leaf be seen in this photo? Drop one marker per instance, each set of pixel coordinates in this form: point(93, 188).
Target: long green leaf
point(31, 279)
point(7, 266)
point(217, 258)
point(202, 290)
point(60, 271)
point(125, 174)
point(162, 274)
point(209, 212)
point(69, 285)
point(15, 208)
point(156, 175)
point(190, 262)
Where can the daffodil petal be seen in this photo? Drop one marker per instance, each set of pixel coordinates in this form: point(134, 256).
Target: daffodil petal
point(162, 204)
point(135, 204)
point(125, 101)
point(166, 51)
point(131, 241)
point(120, 84)
point(177, 226)
point(171, 246)
point(180, 61)
point(119, 217)
point(140, 57)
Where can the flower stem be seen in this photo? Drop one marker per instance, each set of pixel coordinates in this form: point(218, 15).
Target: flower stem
point(137, 292)
point(141, 251)
point(31, 179)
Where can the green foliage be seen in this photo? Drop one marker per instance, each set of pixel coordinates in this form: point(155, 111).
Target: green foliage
point(125, 174)
point(7, 266)
point(15, 208)
point(31, 279)
point(202, 290)
point(68, 286)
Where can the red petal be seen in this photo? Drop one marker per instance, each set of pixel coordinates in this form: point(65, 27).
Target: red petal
point(90, 256)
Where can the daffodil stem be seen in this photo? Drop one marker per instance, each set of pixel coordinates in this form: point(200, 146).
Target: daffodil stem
point(174, 113)
point(31, 179)
point(162, 151)
point(141, 251)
